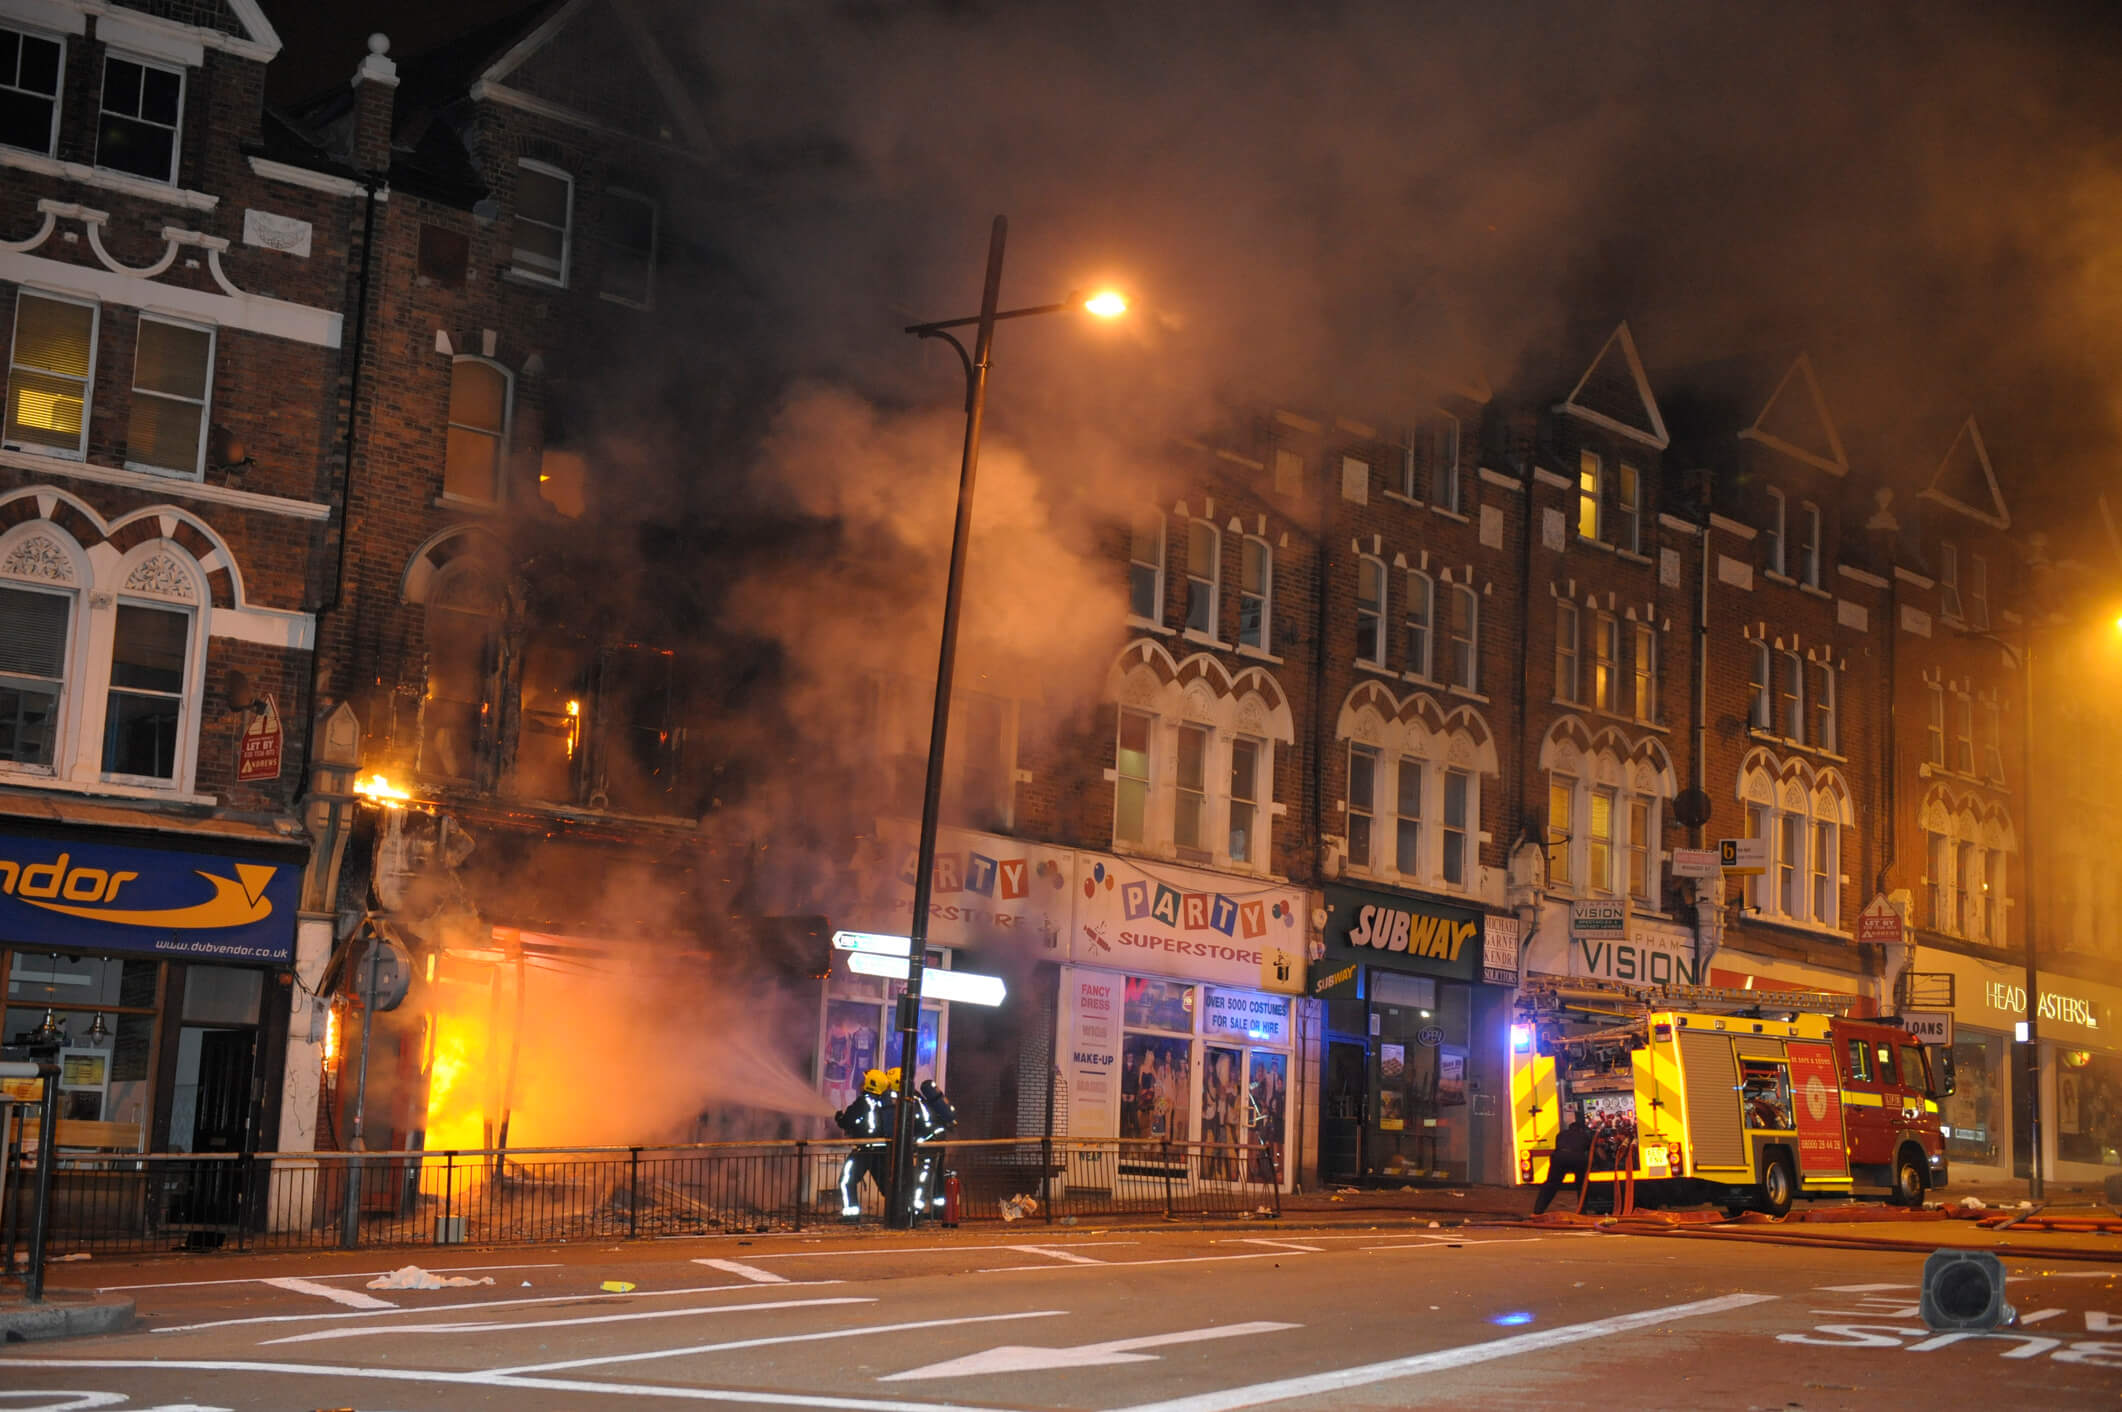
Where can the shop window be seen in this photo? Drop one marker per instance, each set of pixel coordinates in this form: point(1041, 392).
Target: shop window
point(628, 237)
point(1362, 803)
point(1256, 580)
point(1156, 1061)
point(2089, 1108)
point(1566, 687)
point(478, 428)
point(1370, 611)
point(1244, 798)
point(1421, 603)
point(1465, 630)
point(1189, 819)
point(1973, 1114)
point(1408, 840)
point(144, 713)
point(1458, 784)
point(859, 1034)
point(545, 216)
point(1145, 574)
point(142, 112)
point(49, 374)
point(1204, 577)
point(1561, 808)
point(1131, 772)
point(30, 67)
point(173, 375)
point(106, 1010)
point(34, 627)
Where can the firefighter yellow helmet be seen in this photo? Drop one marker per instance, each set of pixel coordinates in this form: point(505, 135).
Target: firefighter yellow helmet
point(880, 1081)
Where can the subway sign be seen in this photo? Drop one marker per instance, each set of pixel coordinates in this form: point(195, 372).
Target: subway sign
point(147, 901)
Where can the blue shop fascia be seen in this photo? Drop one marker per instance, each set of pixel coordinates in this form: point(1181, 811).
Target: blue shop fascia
point(161, 962)
point(1414, 1074)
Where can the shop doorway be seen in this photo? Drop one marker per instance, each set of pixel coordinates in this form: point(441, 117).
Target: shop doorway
point(1341, 1117)
point(210, 1116)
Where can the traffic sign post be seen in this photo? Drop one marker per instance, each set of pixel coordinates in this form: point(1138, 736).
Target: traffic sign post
point(1696, 863)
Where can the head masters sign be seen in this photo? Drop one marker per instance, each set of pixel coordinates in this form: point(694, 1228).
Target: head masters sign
point(149, 901)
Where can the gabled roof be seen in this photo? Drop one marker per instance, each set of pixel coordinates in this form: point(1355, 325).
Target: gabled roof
point(555, 66)
point(1614, 393)
point(1795, 421)
point(1965, 480)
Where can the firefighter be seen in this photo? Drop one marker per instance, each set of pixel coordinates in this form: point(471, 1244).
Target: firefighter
point(870, 1119)
point(933, 1116)
point(1572, 1154)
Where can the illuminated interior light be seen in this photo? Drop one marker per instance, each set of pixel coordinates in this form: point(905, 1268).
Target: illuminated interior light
point(49, 411)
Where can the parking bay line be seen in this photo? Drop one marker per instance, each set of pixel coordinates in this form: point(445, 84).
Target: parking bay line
point(580, 1297)
point(746, 1396)
point(1136, 1264)
point(1445, 1359)
point(345, 1275)
point(864, 1331)
point(749, 1272)
point(351, 1298)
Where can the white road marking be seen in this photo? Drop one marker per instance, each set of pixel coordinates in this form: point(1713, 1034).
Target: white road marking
point(1463, 1244)
point(336, 1275)
point(323, 1335)
point(1135, 1264)
point(749, 1272)
point(864, 1332)
point(1286, 1245)
point(2039, 1315)
point(592, 1388)
point(577, 1298)
point(351, 1298)
point(920, 1249)
point(1340, 1380)
point(1024, 1358)
point(1862, 1289)
point(1056, 1254)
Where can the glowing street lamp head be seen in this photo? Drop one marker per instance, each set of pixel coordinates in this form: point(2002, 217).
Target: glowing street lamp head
point(1107, 304)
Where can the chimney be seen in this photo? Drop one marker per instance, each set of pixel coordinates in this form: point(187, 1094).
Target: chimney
point(373, 96)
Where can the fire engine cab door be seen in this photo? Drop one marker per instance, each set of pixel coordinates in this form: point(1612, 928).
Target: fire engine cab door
point(1816, 1106)
point(1871, 1098)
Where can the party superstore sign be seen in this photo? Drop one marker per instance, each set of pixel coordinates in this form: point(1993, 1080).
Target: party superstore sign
point(107, 897)
point(1134, 920)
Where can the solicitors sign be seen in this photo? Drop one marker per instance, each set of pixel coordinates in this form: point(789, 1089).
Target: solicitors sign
point(147, 901)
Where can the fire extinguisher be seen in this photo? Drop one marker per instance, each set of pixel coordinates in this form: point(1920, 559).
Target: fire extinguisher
point(952, 1191)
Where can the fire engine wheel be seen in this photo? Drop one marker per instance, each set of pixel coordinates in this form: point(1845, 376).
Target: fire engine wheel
point(1778, 1186)
point(1909, 1179)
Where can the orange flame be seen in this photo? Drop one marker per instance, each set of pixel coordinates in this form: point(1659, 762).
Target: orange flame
point(454, 1122)
point(381, 790)
point(331, 1037)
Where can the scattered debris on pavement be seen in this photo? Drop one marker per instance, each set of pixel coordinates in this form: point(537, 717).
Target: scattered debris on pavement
point(413, 1277)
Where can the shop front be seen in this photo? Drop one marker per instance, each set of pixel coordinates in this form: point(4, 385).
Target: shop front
point(1415, 1042)
point(997, 905)
point(160, 970)
point(1180, 1011)
point(2080, 1072)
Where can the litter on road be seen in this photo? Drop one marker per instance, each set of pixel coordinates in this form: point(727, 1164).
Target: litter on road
point(413, 1277)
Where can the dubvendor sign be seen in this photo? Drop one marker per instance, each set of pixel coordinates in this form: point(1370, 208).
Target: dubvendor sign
point(92, 896)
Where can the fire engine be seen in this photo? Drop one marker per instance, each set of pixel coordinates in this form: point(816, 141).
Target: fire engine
point(1742, 1098)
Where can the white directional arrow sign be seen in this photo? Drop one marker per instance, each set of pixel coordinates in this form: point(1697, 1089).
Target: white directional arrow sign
point(1022, 1358)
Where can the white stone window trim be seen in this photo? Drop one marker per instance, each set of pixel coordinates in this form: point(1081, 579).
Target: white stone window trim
point(1401, 738)
point(145, 60)
point(1611, 763)
point(1792, 789)
point(1148, 518)
point(29, 31)
point(1247, 544)
point(1989, 833)
point(88, 389)
point(1424, 670)
point(1213, 579)
point(1383, 611)
point(197, 470)
point(567, 230)
point(1775, 537)
point(456, 499)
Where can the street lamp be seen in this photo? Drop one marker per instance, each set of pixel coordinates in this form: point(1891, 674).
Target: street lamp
point(1104, 305)
point(2022, 656)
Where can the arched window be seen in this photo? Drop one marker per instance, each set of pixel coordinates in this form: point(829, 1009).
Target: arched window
point(1607, 798)
point(1421, 606)
point(464, 620)
point(1413, 801)
point(1803, 815)
point(1145, 573)
point(36, 629)
point(478, 430)
point(1370, 611)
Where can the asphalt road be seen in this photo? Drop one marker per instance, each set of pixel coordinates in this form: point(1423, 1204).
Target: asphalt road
point(1107, 1320)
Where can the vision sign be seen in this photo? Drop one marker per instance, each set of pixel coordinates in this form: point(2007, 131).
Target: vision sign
point(106, 897)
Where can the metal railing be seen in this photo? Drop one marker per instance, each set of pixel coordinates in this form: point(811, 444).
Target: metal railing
point(144, 1202)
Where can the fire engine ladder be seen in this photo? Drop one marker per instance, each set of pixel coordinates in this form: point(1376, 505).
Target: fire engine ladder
point(1621, 1000)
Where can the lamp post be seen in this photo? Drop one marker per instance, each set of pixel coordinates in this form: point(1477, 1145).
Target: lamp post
point(908, 1019)
point(2022, 656)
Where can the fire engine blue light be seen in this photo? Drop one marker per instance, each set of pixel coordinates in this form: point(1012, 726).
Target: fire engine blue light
point(1512, 1319)
point(1521, 1038)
